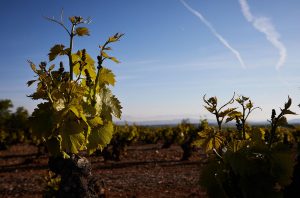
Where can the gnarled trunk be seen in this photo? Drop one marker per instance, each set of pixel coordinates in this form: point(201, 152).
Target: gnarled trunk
point(76, 178)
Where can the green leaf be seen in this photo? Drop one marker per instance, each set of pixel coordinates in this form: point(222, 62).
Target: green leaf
point(42, 120)
point(107, 77)
point(288, 104)
point(82, 31)
point(72, 131)
point(90, 65)
point(100, 137)
point(72, 19)
point(94, 122)
point(232, 115)
point(114, 59)
point(51, 68)
point(229, 119)
point(33, 67)
point(108, 104)
point(245, 98)
point(29, 83)
point(213, 100)
point(58, 104)
point(249, 105)
point(226, 112)
point(56, 50)
point(210, 109)
point(286, 111)
point(115, 38)
point(54, 146)
point(104, 54)
point(73, 143)
point(75, 111)
point(211, 139)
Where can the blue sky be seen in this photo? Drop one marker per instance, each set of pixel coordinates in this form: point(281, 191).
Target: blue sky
point(169, 57)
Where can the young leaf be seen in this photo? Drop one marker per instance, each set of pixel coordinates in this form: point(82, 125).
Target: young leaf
point(33, 67)
point(286, 111)
point(288, 104)
point(90, 65)
point(82, 31)
point(107, 77)
point(51, 68)
point(226, 112)
point(115, 38)
point(30, 82)
point(114, 59)
point(56, 50)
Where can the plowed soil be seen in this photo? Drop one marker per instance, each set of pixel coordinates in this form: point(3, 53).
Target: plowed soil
point(143, 171)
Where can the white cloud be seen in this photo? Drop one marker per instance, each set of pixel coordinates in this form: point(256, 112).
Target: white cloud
point(215, 33)
point(265, 26)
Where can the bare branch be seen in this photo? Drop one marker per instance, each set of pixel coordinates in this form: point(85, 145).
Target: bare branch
point(58, 22)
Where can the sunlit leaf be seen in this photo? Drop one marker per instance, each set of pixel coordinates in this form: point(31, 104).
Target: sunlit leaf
point(115, 38)
point(89, 66)
point(56, 50)
point(249, 105)
point(72, 19)
point(114, 59)
point(72, 132)
point(100, 137)
point(226, 112)
point(51, 68)
point(82, 31)
point(96, 121)
point(33, 67)
point(210, 109)
point(108, 104)
point(106, 77)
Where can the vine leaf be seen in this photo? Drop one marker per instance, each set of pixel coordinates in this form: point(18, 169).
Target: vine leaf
point(82, 31)
point(107, 77)
point(89, 66)
point(54, 145)
point(286, 111)
point(29, 83)
point(108, 104)
point(72, 133)
point(100, 137)
point(33, 67)
point(95, 122)
point(57, 50)
point(42, 120)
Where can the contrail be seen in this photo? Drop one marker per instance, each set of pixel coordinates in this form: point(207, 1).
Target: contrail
point(265, 26)
point(216, 34)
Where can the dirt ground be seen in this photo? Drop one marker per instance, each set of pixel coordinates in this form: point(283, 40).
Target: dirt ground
point(144, 171)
